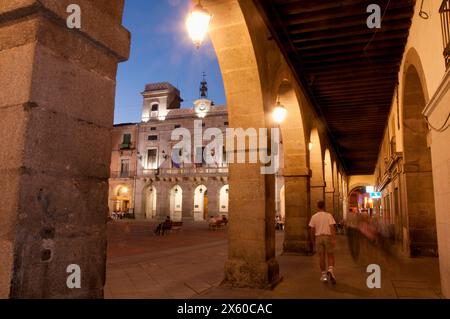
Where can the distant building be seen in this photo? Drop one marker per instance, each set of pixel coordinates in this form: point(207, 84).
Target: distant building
point(145, 182)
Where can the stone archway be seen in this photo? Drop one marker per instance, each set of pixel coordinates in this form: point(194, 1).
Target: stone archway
point(418, 176)
point(176, 203)
point(200, 203)
point(149, 202)
point(239, 48)
point(295, 174)
point(81, 67)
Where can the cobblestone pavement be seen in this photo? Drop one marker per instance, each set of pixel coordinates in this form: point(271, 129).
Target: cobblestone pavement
point(189, 264)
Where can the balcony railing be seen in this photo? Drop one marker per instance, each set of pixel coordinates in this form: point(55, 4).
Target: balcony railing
point(186, 171)
point(125, 146)
point(123, 174)
point(445, 26)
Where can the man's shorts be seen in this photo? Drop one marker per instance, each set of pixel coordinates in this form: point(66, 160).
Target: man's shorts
point(323, 244)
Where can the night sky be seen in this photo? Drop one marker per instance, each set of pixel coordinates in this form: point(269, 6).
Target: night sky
point(161, 51)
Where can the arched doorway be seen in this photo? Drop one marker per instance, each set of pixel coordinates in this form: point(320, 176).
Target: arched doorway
point(358, 200)
point(122, 199)
point(150, 202)
point(200, 203)
point(223, 200)
point(417, 170)
point(176, 203)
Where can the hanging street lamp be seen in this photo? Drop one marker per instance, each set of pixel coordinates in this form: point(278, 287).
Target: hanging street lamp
point(197, 24)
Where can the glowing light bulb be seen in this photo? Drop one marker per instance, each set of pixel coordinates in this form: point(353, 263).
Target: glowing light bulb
point(197, 24)
point(279, 113)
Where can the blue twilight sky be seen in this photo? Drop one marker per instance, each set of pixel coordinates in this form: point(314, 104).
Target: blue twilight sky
point(161, 51)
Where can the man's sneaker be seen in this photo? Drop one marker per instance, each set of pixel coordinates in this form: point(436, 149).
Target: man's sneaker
point(324, 278)
point(331, 276)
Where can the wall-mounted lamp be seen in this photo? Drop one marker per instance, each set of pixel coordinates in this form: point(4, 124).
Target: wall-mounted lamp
point(279, 113)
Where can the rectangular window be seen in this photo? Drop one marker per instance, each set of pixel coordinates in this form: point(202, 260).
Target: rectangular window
point(177, 126)
point(124, 168)
point(126, 143)
point(226, 123)
point(152, 159)
point(153, 137)
point(153, 129)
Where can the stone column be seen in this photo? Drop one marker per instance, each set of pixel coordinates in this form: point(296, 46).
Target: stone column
point(163, 200)
point(251, 232)
point(341, 207)
point(251, 253)
point(213, 198)
point(139, 198)
point(57, 89)
point(317, 194)
point(329, 201)
point(336, 206)
point(188, 202)
point(297, 204)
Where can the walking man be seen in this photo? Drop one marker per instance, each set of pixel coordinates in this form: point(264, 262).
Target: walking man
point(323, 234)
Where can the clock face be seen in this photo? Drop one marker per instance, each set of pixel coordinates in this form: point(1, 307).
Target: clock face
point(202, 107)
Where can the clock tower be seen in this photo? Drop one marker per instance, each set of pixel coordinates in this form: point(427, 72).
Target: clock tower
point(203, 105)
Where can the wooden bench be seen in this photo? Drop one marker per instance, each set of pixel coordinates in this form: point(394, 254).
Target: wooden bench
point(167, 228)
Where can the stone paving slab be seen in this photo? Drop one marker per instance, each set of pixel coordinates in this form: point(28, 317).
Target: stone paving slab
point(190, 264)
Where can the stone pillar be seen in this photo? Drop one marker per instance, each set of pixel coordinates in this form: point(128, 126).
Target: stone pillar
point(296, 238)
point(329, 201)
point(251, 232)
point(341, 207)
point(336, 206)
point(163, 200)
point(57, 89)
point(317, 194)
point(188, 202)
point(213, 198)
point(139, 198)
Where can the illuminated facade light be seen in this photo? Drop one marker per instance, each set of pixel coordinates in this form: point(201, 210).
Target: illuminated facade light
point(279, 113)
